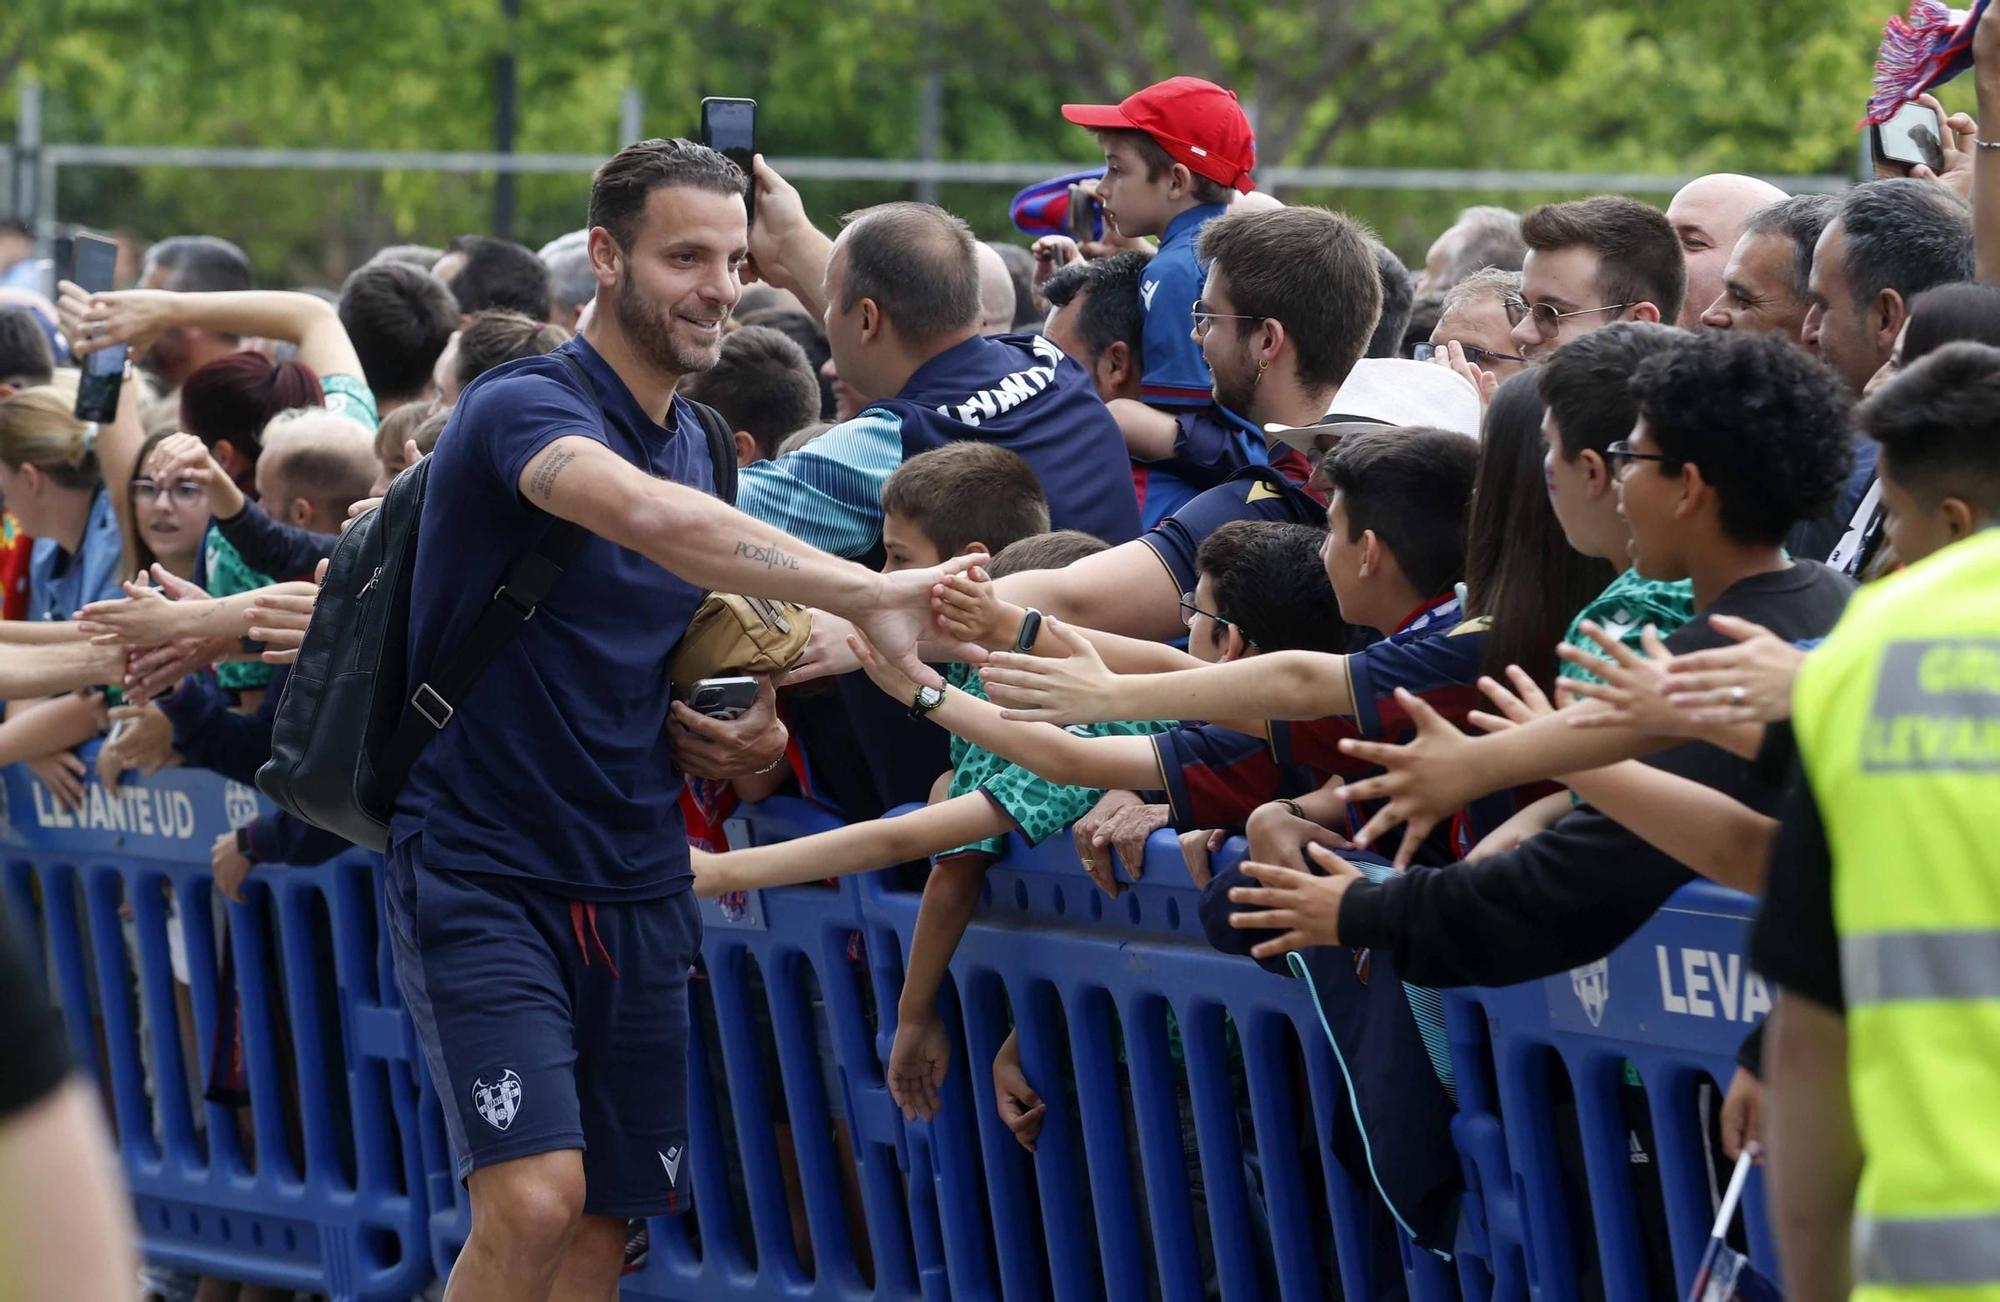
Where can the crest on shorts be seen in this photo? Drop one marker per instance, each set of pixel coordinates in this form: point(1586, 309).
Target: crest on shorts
point(1592, 983)
point(499, 1101)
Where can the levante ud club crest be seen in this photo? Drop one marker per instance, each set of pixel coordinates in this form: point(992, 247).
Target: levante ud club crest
point(499, 1101)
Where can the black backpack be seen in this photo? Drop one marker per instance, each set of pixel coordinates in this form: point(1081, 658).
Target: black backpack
point(349, 724)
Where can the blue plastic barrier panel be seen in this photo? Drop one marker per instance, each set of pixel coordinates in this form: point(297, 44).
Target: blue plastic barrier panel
point(1674, 984)
point(174, 815)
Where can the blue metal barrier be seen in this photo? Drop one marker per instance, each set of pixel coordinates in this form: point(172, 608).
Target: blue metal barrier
point(320, 1186)
point(1190, 1095)
point(1675, 1002)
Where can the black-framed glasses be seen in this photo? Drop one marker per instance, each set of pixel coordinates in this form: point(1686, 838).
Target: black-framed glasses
point(184, 493)
point(1189, 610)
point(1473, 353)
point(1203, 317)
point(1548, 320)
point(1622, 455)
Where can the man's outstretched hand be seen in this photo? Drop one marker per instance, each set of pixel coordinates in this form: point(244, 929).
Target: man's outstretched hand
point(901, 618)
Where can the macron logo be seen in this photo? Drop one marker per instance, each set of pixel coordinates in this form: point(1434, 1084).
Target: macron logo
point(671, 1159)
point(1146, 294)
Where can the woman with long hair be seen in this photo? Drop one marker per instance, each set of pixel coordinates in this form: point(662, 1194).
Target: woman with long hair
point(1520, 572)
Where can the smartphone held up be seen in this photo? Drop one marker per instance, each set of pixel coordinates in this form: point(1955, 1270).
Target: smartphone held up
point(1914, 137)
point(103, 375)
point(729, 127)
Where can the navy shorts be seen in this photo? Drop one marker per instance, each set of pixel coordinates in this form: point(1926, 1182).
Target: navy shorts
point(550, 1023)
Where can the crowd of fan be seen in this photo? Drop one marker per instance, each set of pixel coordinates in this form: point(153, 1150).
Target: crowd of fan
point(1582, 491)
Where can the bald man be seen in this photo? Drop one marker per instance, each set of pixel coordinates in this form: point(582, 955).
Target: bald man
point(1708, 216)
point(996, 292)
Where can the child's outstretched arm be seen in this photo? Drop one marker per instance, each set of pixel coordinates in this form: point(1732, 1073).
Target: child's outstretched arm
point(1110, 763)
point(858, 847)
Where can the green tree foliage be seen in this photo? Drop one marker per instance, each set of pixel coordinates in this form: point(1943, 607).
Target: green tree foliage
point(1653, 86)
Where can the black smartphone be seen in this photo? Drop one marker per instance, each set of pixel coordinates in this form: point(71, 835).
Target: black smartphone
point(96, 267)
point(724, 698)
point(729, 127)
point(1911, 137)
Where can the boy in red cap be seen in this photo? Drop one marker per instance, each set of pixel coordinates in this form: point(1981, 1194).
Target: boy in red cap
point(1174, 153)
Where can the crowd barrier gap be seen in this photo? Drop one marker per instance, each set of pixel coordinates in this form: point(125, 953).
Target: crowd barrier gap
point(1193, 1103)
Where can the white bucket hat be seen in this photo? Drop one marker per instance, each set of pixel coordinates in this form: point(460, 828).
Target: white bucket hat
point(1391, 391)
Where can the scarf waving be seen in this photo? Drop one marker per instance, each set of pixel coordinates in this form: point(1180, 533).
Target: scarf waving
point(1924, 50)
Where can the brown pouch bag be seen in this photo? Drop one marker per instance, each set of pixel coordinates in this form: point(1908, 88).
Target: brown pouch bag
point(730, 634)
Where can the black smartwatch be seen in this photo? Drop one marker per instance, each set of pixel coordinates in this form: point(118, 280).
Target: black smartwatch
point(927, 699)
point(243, 841)
point(1031, 628)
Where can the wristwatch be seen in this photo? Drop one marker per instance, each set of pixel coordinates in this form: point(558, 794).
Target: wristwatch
point(928, 699)
point(1031, 628)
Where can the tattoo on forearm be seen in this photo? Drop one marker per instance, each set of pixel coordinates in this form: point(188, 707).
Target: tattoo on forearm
point(774, 557)
point(543, 485)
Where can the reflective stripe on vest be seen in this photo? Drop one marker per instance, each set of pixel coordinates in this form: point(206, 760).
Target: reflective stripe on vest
point(1961, 1250)
point(1884, 966)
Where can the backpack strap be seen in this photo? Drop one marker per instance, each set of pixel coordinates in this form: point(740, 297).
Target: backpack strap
point(721, 449)
point(526, 586)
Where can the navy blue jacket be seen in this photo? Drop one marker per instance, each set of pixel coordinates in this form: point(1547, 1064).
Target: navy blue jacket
point(270, 547)
point(1021, 393)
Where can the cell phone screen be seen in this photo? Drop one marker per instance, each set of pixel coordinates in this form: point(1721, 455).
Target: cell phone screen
point(1911, 137)
point(729, 126)
point(103, 371)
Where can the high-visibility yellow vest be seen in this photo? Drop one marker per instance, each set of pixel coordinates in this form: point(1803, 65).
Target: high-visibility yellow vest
point(1898, 723)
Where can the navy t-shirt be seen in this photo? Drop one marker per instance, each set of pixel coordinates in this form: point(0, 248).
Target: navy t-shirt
point(1259, 493)
point(556, 766)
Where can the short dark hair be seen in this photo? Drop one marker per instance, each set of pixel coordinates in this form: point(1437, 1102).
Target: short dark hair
point(1158, 160)
point(1520, 571)
point(968, 492)
point(619, 189)
point(1021, 270)
point(1045, 551)
point(200, 264)
point(805, 330)
point(762, 385)
point(399, 318)
point(499, 273)
point(1935, 424)
point(1799, 219)
point(916, 261)
point(1950, 314)
point(1639, 256)
point(497, 336)
point(234, 397)
point(1583, 383)
point(1310, 270)
point(26, 359)
point(1268, 581)
point(1906, 235)
point(1110, 287)
point(1767, 425)
point(1412, 485)
point(1399, 292)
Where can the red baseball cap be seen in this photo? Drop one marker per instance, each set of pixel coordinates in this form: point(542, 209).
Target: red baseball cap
point(1198, 123)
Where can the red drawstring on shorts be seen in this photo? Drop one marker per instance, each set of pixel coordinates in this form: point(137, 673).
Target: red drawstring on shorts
point(579, 911)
